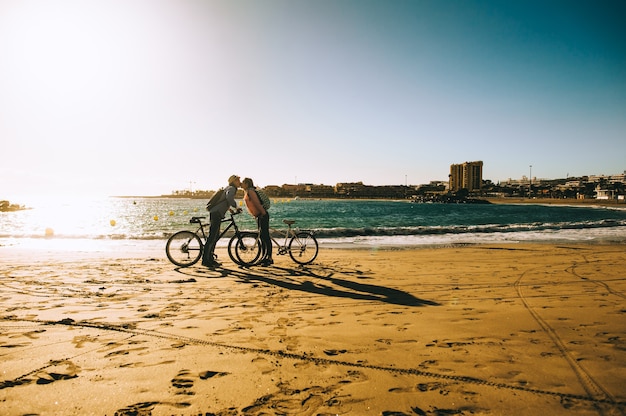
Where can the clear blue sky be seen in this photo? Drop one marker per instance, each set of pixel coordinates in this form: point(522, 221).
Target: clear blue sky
point(143, 97)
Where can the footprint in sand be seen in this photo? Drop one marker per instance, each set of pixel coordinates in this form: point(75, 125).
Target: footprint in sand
point(422, 387)
point(428, 364)
point(280, 331)
point(80, 341)
point(355, 376)
point(146, 408)
point(49, 376)
point(335, 352)
point(33, 334)
point(305, 402)
point(263, 365)
point(210, 374)
point(182, 382)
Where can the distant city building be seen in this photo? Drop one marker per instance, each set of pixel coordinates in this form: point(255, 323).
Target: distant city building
point(468, 175)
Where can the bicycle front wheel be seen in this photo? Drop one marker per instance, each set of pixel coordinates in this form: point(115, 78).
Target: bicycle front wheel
point(184, 248)
point(245, 248)
point(303, 247)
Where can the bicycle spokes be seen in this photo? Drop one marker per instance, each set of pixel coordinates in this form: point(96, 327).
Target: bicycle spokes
point(247, 249)
point(303, 247)
point(184, 248)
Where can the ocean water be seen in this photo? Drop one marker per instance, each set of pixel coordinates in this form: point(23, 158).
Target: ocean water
point(346, 223)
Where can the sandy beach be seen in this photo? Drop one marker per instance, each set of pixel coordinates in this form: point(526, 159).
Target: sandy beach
point(472, 330)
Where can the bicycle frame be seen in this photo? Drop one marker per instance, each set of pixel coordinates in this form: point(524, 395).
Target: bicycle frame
point(289, 232)
point(231, 224)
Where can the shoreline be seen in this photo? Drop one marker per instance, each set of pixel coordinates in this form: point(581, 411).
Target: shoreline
point(156, 246)
point(555, 201)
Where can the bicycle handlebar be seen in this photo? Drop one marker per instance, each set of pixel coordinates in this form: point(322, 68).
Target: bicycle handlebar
point(198, 220)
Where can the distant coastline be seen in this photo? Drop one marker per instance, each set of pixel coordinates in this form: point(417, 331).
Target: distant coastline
point(481, 200)
point(595, 190)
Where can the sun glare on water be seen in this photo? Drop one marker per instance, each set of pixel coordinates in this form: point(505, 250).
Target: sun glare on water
point(73, 224)
point(69, 217)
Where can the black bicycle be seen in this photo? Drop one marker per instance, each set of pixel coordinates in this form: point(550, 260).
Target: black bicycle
point(185, 248)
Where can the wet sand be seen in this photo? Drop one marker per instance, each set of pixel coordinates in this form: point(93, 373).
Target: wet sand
point(474, 330)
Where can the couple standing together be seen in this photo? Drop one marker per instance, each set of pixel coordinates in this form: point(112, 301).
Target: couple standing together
point(255, 208)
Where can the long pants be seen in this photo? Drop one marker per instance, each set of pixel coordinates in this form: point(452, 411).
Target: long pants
point(211, 241)
point(264, 230)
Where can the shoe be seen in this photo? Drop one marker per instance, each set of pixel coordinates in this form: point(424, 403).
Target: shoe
point(212, 264)
point(266, 262)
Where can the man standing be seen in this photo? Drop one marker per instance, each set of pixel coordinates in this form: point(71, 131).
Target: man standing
point(216, 214)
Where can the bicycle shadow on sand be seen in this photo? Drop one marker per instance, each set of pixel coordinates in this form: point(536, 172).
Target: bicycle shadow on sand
point(326, 282)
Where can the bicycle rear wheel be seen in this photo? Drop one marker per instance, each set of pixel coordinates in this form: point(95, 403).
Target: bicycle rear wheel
point(184, 248)
point(245, 249)
point(303, 247)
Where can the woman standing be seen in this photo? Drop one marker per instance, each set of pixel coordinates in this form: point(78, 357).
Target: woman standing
point(255, 208)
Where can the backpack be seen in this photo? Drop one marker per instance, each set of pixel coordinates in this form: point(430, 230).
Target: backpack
point(216, 199)
point(265, 201)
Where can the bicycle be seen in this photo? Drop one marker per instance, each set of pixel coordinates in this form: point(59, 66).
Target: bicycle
point(302, 247)
point(185, 248)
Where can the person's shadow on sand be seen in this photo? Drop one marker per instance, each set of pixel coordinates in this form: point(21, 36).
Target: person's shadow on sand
point(326, 283)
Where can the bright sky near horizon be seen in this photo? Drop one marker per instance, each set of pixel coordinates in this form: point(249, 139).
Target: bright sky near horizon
point(142, 97)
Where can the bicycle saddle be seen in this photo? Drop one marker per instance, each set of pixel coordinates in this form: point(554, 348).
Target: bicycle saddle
point(195, 220)
point(289, 222)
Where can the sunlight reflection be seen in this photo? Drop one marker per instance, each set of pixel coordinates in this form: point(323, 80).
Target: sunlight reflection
point(139, 248)
point(70, 217)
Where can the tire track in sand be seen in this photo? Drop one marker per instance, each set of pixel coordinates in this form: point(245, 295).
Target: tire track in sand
point(599, 399)
point(593, 388)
